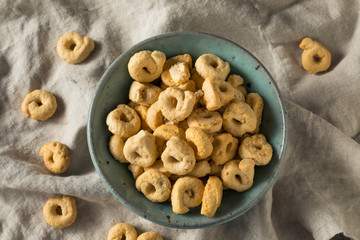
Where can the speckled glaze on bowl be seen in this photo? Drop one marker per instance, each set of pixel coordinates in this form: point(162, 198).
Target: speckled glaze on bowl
point(113, 90)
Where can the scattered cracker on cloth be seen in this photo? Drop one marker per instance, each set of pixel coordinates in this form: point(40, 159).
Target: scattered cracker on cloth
point(317, 194)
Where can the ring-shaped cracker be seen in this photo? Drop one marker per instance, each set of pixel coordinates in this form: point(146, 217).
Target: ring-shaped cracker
point(180, 73)
point(154, 185)
point(116, 147)
point(166, 76)
point(123, 121)
point(225, 148)
point(56, 156)
point(39, 105)
point(141, 110)
point(200, 142)
point(186, 192)
point(257, 105)
point(212, 196)
point(217, 93)
point(122, 231)
point(237, 82)
point(210, 65)
point(315, 57)
point(176, 104)
point(209, 121)
point(144, 93)
point(74, 48)
point(178, 156)
point(201, 169)
point(188, 86)
point(239, 118)
point(257, 148)
point(60, 212)
point(146, 66)
point(154, 116)
point(140, 149)
point(135, 170)
point(238, 175)
point(199, 80)
point(159, 165)
point(164, 132)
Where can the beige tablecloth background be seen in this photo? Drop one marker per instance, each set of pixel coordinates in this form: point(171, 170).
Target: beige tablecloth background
point(318, 192)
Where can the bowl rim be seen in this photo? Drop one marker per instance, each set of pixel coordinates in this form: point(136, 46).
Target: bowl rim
point(215, 221)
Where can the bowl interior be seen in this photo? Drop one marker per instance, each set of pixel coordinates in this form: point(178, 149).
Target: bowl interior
point(113, 90)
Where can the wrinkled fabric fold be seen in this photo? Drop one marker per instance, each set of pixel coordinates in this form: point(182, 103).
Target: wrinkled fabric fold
point(317, 194)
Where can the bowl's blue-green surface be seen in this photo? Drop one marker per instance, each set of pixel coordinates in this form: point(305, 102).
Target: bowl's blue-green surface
point(113, 90)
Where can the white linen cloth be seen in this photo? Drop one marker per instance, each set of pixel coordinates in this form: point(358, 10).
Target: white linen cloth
point(317, 194)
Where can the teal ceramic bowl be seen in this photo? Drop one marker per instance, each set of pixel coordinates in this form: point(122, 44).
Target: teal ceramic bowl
point(113, 90)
